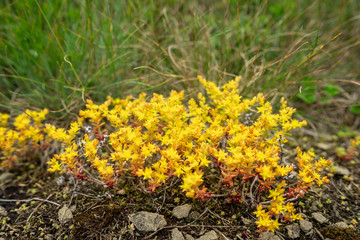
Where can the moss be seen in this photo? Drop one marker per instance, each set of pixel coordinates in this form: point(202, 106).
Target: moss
point(88, 224)
point(337, 233)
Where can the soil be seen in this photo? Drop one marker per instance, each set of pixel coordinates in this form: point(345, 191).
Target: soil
point(33, 197)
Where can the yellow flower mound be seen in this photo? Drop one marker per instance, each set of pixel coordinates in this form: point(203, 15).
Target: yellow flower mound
point(159, 139)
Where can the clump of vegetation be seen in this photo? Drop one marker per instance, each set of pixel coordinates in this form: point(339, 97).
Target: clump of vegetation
point(337, 233)
point(350, 152)
point(23, 137)
point(159, 139)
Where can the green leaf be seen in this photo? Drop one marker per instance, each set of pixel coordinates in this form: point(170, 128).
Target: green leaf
point(331, 89)
point(325, 100)
point(307, 97)
point(355, 109)
point(308, 88)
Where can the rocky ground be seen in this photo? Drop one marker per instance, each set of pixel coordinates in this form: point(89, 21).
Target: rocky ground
point(39, 205)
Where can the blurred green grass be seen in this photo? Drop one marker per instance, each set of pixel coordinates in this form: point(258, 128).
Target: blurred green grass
point(56, 53)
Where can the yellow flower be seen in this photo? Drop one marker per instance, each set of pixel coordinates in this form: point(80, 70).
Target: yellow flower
point(259, 211)
point(265, 172)
point(296, 217)
point(264, 222)
point(22, 121)
point(274, 224)
point(54, 165)
point(4, 119)
point(191, 180)
point(283, 170)
point(275, 193)
point(147, 173)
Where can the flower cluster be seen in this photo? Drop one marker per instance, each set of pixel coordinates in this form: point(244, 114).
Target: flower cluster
point(23, 136)
point(158, 139)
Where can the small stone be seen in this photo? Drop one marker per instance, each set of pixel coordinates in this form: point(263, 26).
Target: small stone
point(181, 211)
point(341, 171)
point(3, 211)
point(310, 233)
point(293, 230)
point(211, 235)
point(73, 208)
point(65, 214)
point(305, 225)
point(340, 225)
point(176, 235)
point(6, 176)
point(189, 237)
point(319, 217)
point(147, 221)
point(266, 235)
point(325, 146)
point(247, 221)
point(275, 237)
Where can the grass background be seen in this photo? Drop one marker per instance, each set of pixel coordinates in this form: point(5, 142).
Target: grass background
point(56, 53)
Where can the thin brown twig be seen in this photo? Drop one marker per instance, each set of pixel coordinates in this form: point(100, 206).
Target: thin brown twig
point(251, 188)
point(222, 219)
point(29, 200)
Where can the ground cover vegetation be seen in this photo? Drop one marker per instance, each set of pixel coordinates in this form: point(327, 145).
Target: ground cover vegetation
point(228, 147)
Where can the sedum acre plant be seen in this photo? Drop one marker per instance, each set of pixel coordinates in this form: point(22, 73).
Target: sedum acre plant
point(157, 139)
point(25, 135)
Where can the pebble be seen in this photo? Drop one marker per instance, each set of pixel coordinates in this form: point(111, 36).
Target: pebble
point(147, 221)
point(268, 236)
point(247, 221)
point(305, 225)
point(6, 176)
point(3, 211)
point(325, 146)
point(181, 211)
point(176, 234)
point(340, 225)
point(293, 230)
point(342, 171)
point(189, 237)
point(319, 217)
point(65, 214)
point(211, 235)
